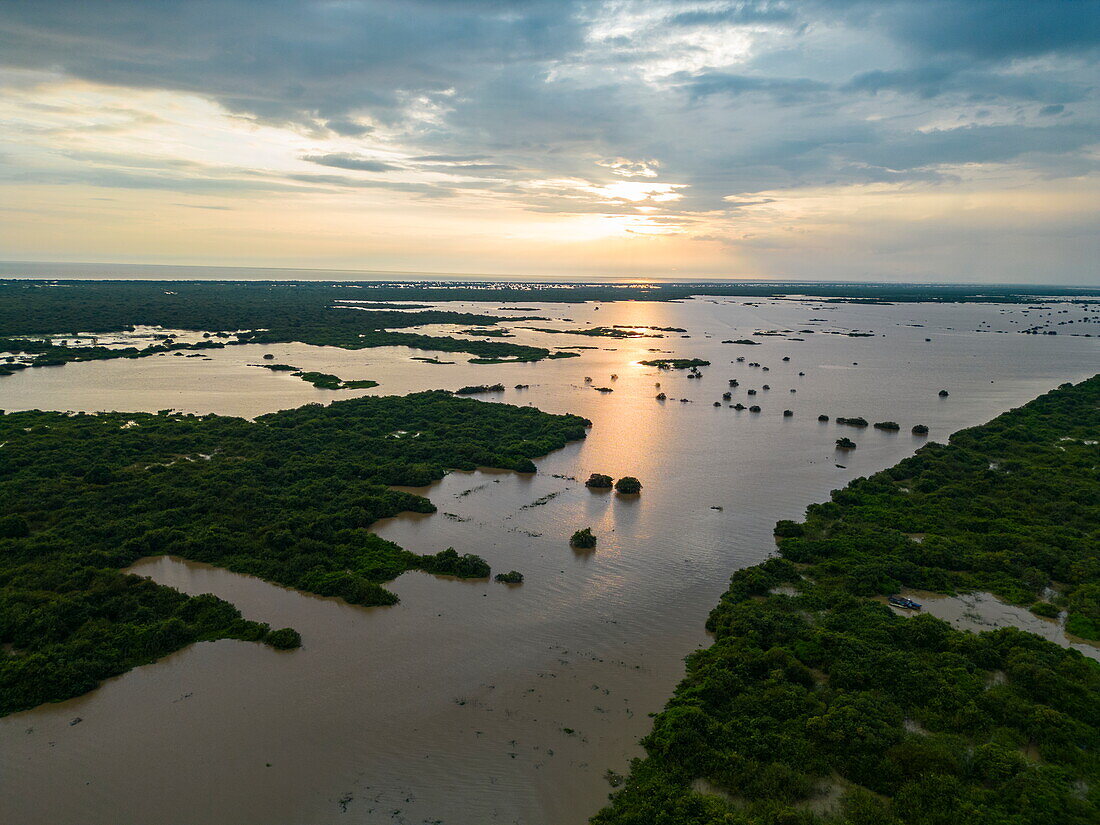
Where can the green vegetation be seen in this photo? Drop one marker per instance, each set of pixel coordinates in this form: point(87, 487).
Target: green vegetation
point(325, 381)
point(511, 577)
point(261, 313)
point(583, 539)
point(116, 302)
point(845, 444)
point(287, 497)
point(617, 331)
point(628, 485)
point(488, 333)
point(826, 707)
point(480, 388)
point(321, 380)
point(598, 481)
point(286, 638)
point(47, 354)
point(449, 563)
point(920, 429)
point(676, 363)
point(887, 425)
point(858, 421)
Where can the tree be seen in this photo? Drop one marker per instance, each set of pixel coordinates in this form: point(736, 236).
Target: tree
point(583, 539)
point(628, 485)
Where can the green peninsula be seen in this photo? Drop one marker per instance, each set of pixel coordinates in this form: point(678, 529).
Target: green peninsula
point(287, 497)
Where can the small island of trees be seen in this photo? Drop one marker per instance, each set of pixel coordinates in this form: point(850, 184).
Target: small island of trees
point(583, 539)
point(598, 481)
point(628, 485)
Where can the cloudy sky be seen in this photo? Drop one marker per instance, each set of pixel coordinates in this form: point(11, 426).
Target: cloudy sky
point(923, 140)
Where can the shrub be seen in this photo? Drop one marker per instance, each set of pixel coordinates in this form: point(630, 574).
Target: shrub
point(583, 539)
point(628, 485)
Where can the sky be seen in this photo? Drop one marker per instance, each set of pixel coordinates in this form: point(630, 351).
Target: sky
point(893, 140)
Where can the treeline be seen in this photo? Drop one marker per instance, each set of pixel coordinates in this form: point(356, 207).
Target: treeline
point(287, 497)
point(260, 313)
point(818, 704)
point(153, 297)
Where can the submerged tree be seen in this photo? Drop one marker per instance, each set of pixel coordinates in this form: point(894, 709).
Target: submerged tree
point(628, 485)
point(583, 539)
point(598, 481)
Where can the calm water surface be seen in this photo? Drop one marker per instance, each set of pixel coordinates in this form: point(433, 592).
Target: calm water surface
point(475, 702)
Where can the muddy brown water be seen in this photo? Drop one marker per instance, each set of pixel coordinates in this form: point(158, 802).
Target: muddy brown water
point(475, 702)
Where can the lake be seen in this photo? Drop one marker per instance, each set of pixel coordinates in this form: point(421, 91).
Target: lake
point(477, 702)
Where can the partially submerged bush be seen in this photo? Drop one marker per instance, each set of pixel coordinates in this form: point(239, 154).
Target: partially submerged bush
point(628, 485)
point(285, 638)
point(583, 539)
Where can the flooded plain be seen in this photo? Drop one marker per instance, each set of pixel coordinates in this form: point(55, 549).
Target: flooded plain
point(477, 702)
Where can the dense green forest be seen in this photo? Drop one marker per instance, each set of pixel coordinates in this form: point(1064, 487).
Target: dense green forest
point(121, 299)
point(287, 497)
point(817, 703)
point(264, 313)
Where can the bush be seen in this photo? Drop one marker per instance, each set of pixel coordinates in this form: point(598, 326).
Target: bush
point(511, 577)
point(286, 638)
point(1045, 609)
point(583, 539)
point(628, 485)
point(598, 481)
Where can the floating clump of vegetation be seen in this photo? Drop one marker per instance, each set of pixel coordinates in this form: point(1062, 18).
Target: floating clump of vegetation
point(920, 429)
point(823, 418)
point(845, 444)
point(628, 485)
point(676, 363)
point(583, 539)
point(813, 684)
point(277, 367)
point(598, 481)
point(324, 381)
point(944, 393)
point(887, 425)
point(511, 577)
point(476, 389)
point(858, 421)
point(617, 331)
point(487, 333)
point(321, 380)
point(745, 341)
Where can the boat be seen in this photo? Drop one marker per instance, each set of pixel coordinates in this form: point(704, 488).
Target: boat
point(902, 601)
